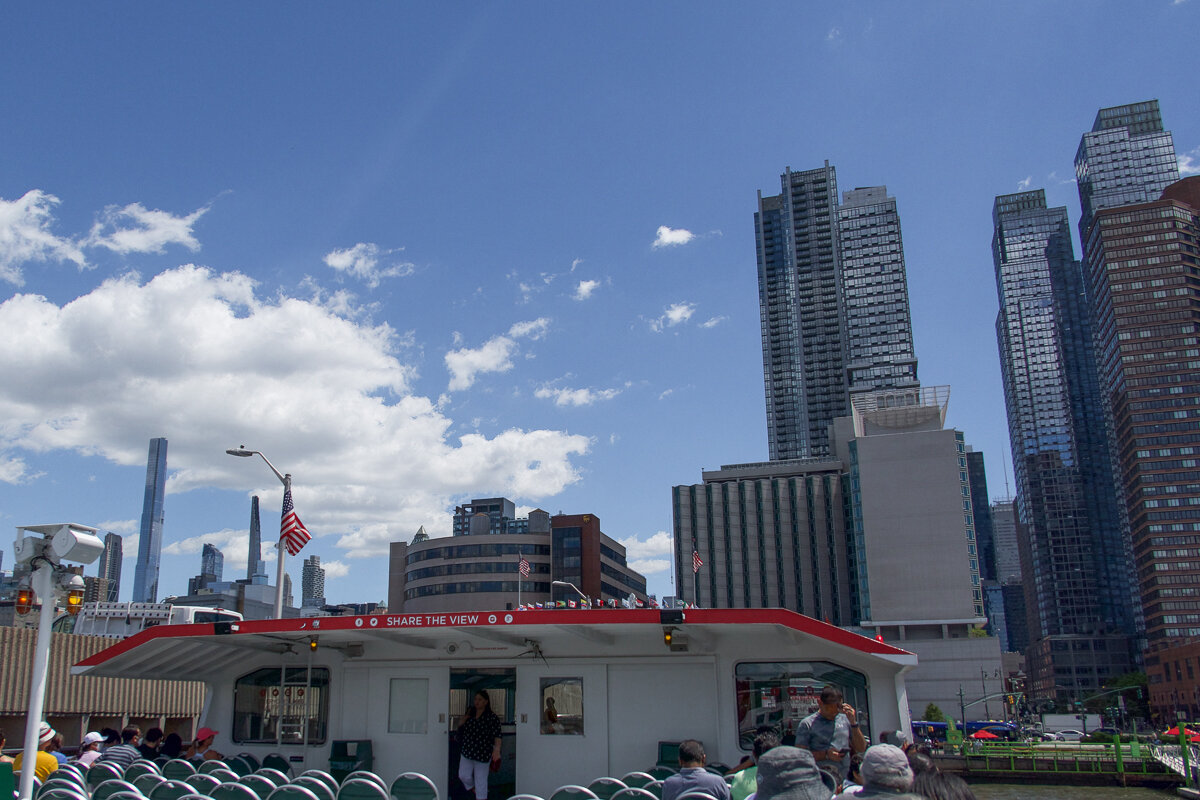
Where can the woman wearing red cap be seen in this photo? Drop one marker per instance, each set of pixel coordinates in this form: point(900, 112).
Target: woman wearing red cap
point(202, 749)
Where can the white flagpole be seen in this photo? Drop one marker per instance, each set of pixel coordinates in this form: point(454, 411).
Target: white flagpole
point(520, 558)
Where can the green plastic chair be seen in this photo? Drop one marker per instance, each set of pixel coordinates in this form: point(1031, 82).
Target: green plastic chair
point(661, 773)
point(366, 774)
point(146, 783)
point(232, 790)
point(322, 776)
point(109, 788)
point(209, 767)
point(317, 786)
point(605, 788)
point(637, 780)
point(171, 790)
point(273, 775)
point(102, 771)
point(224, 775)
point(572, 792)
point(139, 768)
point(55, 781)
point(241, 766)
point(636, 793)
point(654, 788)
point(413, 786)
point(276, 761)
point(177, 769)
point(203, 784)
point(262, 786)
point(361, 789)
point(58, 792)
point(292, 792)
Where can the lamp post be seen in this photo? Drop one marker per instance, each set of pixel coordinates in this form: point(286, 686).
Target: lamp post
point(43, 548)
point(286, 480)
point(572, 586)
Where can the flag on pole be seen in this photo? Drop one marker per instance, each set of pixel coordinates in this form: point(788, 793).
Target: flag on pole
point(292, 533)
point(523, 567)
point(696, 562)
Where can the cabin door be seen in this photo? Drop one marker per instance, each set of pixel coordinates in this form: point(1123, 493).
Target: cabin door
point(500, 685)
point(401, 710)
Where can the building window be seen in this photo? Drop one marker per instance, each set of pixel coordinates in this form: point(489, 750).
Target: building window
point(408, 705)
point(562, 706)
point(271, 700)
point(782, 694)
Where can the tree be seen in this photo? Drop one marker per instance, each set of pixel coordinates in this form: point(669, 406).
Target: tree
point(933, 714)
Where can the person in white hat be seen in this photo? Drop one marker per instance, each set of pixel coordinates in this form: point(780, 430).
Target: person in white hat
point(45, 763)
point(89, 749)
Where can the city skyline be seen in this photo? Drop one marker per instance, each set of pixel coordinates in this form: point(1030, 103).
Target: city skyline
point(417, 257)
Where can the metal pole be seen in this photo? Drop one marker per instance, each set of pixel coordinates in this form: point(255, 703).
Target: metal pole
point(42, 582)
point(280, 552)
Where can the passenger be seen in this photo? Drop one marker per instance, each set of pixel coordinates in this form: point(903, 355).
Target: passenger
point(920, 763)
point(44, 763)
point(126, 752)
point(89, 749)
point(550, 718)
point(745, 782)
point(831, 733)
point(885, 773)
point(942, 786)
point(150, 744)
point(854, 780)
point(112, 738)
point(479, 742)
point(692, 776)
point(3, 758)
point(788, 773)
point(55, 749)
point(202, 749)
point(172, 746)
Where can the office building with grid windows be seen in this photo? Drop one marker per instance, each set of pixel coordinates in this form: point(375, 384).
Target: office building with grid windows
point(1077, 569)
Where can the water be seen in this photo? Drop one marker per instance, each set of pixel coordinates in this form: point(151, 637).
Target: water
point(1008, 791)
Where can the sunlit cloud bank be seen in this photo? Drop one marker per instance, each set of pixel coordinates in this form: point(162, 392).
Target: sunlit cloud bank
point(200, 358)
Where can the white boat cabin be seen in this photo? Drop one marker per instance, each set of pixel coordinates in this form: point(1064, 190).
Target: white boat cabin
point(625, 686)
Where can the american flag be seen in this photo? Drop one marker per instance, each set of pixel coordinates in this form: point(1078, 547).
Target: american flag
point(523, 567)
point(292, 533)
point(696, 562)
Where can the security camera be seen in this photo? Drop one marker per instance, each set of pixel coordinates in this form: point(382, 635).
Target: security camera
point(452, 648)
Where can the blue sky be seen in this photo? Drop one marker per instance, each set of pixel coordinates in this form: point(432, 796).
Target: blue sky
point(419, 253)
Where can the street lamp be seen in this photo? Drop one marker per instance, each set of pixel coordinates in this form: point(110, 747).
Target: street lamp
point(286, 480)
point(43, 548)
point(572, 586)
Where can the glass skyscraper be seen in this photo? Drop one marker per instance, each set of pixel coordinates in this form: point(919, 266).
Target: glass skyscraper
point(110, 566)
point(833, 306)
point(1077, 573)
point(145, 574)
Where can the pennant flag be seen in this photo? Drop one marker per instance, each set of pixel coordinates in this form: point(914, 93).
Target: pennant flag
point(696, 562)
point(523, 567)
point(292, 533)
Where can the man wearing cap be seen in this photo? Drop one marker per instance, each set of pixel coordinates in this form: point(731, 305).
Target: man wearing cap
point(692, 776)
point(44, 764)
point(790, 773)
point(126, 752)
point(832, 733)
point(886, 774)
point(89, 749)
point(202, 749)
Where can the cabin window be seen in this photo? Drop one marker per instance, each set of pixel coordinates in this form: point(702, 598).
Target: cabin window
point(281, 705)
point(783, 693)
point(562, 706)
point(408, 705)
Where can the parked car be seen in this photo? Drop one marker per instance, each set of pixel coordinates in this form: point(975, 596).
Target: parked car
point(1068, 736)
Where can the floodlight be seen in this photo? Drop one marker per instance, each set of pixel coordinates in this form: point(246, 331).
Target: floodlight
point(76, 544)
point(74, 587)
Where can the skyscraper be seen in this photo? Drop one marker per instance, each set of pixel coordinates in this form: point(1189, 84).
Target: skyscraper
point(312, 583)
point(1077, 578)
point(145, 574)
point(212, 562)
point(833, 305)
point(1126, 158)
point(1144, 273)
point(110, 566)
point(256, 570)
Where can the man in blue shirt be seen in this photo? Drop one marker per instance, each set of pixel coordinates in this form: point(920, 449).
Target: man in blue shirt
point(832, 733)
point(692, 776)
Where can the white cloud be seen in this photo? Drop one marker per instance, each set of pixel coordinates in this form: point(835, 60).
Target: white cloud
point(1025, 184)
point(494, 355)
point(362, 262)
point(12, 470)
point(129, 549)
point(233, 544)
point(563, 396)
point(834, 35)
point(335, 569)
point(1189, 163)
point(137, 229)
point(665, 394)
point(576, 263)
point(119, 525)
point(673, 315)
point(25, 236)
point(585, 288)
point(713, 322)
point(668, 237)
point(200, 358)
point(650, 555)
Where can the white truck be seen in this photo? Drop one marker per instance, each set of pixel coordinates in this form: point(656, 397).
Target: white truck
point(120, 620)
point(1085, 723)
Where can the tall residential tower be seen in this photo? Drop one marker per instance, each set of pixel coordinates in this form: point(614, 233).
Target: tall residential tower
point(145, 574)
